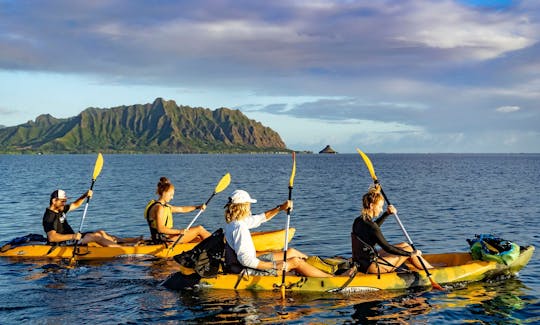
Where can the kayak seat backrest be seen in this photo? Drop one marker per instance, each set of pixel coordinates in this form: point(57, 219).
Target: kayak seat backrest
point(207, 257)
point(231, 263)
point(362, 251)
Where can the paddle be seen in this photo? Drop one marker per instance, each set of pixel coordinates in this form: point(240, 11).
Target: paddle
point(285, 246)
point(221, 185)
point(369, 165)
point(97, 170)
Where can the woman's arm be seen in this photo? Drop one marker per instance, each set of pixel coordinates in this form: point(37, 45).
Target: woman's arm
point(274, 211)
point(187, 208)
point(389, 211)
point(263, 265)
point(386, 246)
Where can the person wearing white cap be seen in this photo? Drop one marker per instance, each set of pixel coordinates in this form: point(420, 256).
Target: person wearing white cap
point(58, 229)
point(240, 251)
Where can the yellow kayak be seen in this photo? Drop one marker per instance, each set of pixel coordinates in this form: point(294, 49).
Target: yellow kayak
point(449, 268)
point(264, 241)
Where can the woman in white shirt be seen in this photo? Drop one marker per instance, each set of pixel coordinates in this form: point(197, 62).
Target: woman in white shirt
point(241, 253)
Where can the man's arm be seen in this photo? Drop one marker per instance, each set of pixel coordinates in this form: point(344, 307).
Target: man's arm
point(77, 203)
point(54, 237)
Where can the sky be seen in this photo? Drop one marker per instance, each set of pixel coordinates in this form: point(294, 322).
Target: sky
point(396, 76)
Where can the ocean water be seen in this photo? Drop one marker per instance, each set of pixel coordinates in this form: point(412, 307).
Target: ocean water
point(442, 200)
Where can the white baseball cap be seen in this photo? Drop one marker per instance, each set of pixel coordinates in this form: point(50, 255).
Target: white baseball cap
point(59, 194)
point(241, 196)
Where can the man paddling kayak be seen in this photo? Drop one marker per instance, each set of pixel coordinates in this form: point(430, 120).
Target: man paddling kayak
point(240, 252)
point(58, 229)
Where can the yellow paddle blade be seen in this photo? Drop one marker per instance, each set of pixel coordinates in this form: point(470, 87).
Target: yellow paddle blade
point(368, 164)
point(223, 183)
point(98, 166)
point(293, 172)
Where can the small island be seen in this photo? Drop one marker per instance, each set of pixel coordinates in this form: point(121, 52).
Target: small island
point(328, 149)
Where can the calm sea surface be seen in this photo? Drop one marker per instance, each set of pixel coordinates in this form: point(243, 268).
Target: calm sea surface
point(442, 199)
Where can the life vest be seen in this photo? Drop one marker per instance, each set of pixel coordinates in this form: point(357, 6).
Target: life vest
point(157, 237)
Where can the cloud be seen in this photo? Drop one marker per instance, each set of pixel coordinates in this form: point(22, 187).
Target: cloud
point(6, 111)
point(343, 109)
point(433, 68)
point(507, 109)
point(234, 39)
point(448, 26)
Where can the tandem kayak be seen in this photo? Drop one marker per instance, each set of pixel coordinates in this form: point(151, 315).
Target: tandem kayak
point(264, 241)
point(448, 268)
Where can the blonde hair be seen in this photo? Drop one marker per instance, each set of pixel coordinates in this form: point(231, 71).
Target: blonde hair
point(372, 196)
point(237, 211)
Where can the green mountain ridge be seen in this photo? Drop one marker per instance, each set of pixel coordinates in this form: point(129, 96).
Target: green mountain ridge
point(159, 127)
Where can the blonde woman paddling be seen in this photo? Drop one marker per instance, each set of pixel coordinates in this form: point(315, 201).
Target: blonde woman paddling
point(240, 251)
point(367, 233)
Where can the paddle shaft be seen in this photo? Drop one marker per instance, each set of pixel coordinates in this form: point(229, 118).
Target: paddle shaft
point(86, 206)
point(404, 231)
point(82, 220)
point(286, 245)
point(192, 222)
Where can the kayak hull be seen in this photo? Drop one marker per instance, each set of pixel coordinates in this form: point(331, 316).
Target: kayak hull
point(450, 268)
point(264, 241)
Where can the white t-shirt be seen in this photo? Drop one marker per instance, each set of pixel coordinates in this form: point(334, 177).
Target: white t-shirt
point(239, 238)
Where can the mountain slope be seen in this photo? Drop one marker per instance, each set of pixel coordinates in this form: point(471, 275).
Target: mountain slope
point(160, 127)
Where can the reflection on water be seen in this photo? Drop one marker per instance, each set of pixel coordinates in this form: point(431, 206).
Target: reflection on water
point(399, 310)
point(128, 290)
point(494, 301)
point(501, 302)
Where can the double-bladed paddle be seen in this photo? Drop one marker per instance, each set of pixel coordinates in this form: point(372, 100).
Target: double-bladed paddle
point(369, 165)
point(97, 170)
point(221, 185)
point(285, 246)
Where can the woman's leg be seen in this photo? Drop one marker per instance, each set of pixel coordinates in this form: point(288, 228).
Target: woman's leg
point(202, 232)
point(291, 252)
point(299, 265)
point(415, 259)
point(395, 261)
point(197, 232)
